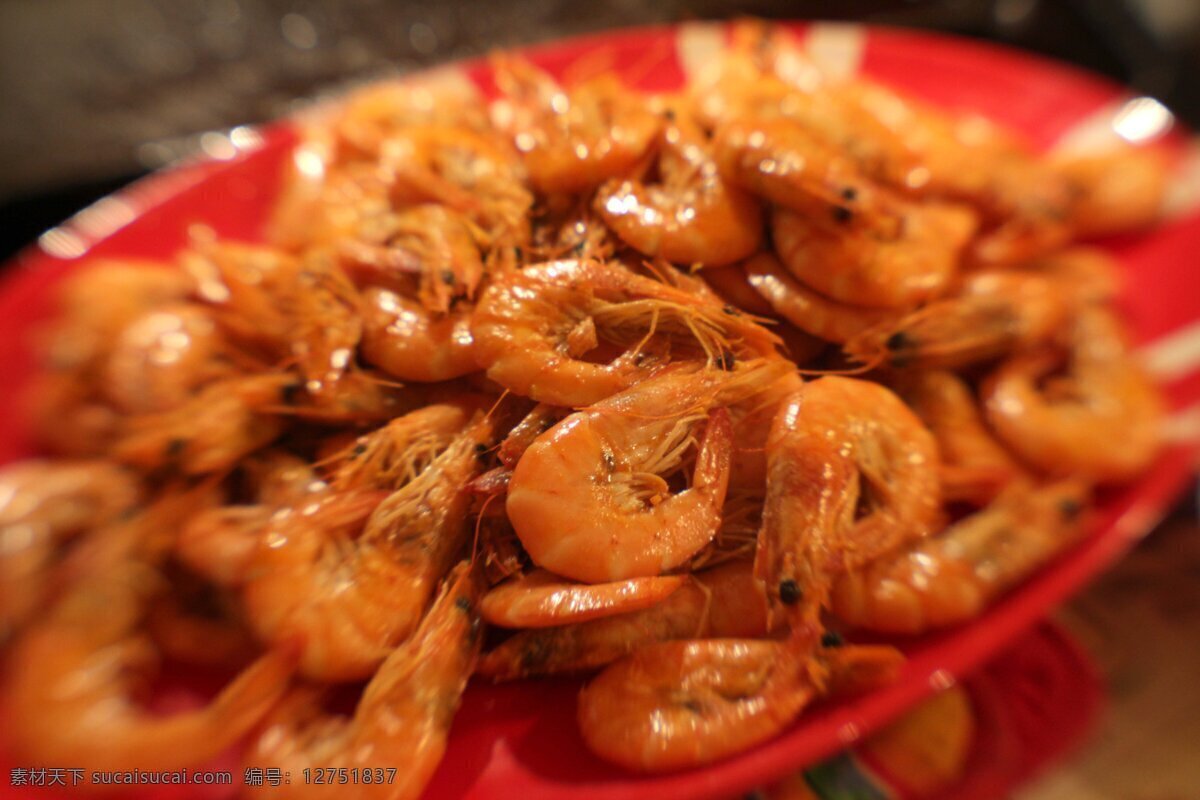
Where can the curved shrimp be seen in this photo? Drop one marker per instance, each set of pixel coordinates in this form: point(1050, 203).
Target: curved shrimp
point(720, 602)
point(1052, 421)
point(778, 159)
point(1116, 191)
point(691, 215)
point(571, 141)
point(426, 252)
point(852, 474)
point(161, 357)
point(72, 679)
point(351, 590)
point(589, 499)
point(879, 271)
point(403, 718)
point(402, 338)
point(223, 422)
point(474, 173)
point(1023, 203)
point(43, 504)
point(808, 310)
point(732, 285)
point(541, 599)
point(952, 576)
point(682, 704)
point(533, 328)
point(993, 313)
point(975, 467)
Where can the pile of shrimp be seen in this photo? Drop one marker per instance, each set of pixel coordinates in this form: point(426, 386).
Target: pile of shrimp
point(677, 391)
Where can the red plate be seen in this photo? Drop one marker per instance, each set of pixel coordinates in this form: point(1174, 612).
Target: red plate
point(521, 738)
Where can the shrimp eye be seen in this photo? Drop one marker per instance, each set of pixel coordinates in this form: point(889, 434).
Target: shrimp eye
point(447, 277)
point(175, 448)
point(898, 341)
point(842, 215)
point(358, 450)
point(1069, 508)
point(726, 360)
point(849, 194)
point(289, 393)
point(463, 603)
point(832, 639)
point(789, 592)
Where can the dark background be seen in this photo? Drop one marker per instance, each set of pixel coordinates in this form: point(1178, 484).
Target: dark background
point(94, 93)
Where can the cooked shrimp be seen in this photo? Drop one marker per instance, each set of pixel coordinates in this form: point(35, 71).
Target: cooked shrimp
point(952, 576)
point(210, 432)
point(404, 339)
point(852, 474)
point(682, 704)
point(571, 141)
point(541, 599)
point(778, 159)
point(533, 328)
point(425, 252)
point(89, 325)
point(402, 720)
point(975, 467)
point(72, 678)
point(590, 500)
point(722, 602)
point(42, 505)
point(808, 310)
point(195, 622)
point(879, 271)
point(474, 173)
point(1052, 421)
point(540, 419)
point(1023, 203)
point(993, 313)
point(163, 356)
point(1085, 274)
point(691, 215)
point(733, 286)
point(1116, 191)
point(351, 590)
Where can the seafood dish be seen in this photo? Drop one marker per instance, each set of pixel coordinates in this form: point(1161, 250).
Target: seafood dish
point(711, 396)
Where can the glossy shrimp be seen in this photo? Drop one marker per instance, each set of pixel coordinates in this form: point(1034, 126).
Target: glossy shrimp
point(72, 680)
point(425, 252)
point(682, 704)
point(571, 141)
point(476, 174)
point(725, 601)
point(350, 591)
point(974, 466)
point(533, 330)
point(852, 474)
point(952, 576)
point(1115, 191)
point(690, 215)
point(993, 313)
point(211, 431)
point(541, 599)
point(590, 499)
point(779, 160)
point(1050, 418)
point(865, 268)
point(808, 310)
point(402, 720)
point(402, 338)
point(44, 504)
